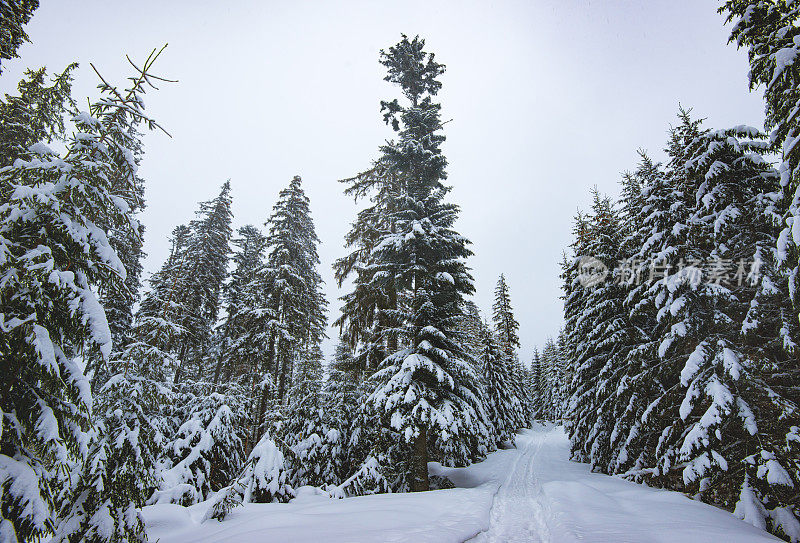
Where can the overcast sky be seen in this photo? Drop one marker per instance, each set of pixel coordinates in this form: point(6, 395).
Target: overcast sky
point(547, 99)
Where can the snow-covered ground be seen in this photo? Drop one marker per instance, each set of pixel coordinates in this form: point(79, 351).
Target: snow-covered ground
point(532, 493)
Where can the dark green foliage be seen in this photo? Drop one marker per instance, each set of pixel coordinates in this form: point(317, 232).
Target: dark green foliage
point(685, 353)
point(502, 404)
point(14, 14)
point(293, 285)
point(56, 255)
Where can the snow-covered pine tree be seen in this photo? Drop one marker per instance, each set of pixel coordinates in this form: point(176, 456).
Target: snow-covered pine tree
point(662, 227)
point(505, 325)
point(243, 333)
point(35, 115)
point(769, 31)
point(601, 338)
point(340, 400)
point(206, 268)
point(305, 430)
point(13, 16)
point(263, 479)
point(551, 383)
point(471, 330)
point(127, 240)
point(120, 472)
point(56, 254)
point(292, 284)
point(206, 452)
point(369, 312)
point(159, 323)
point(502, 404)
point(307, 379)
point(561, 372)
point(316, 446)
point(535, 381)
point(574, 296)
point(471, 327)
point(624, 406)
point(506, 328)
point(732, 428)
point(119, 303)
point(648, 221)
point(670, 265)
point(424, 389)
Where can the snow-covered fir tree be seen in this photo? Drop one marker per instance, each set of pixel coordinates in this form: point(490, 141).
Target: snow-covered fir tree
point(733, 419)
point(340, 400)
point(163, 313)
point(206, 451)
point(502, 403)
point(35, 115)
point(243, 333)
point(471, 327)
point(596, 334)
point(292, 285)
point(768, 31)
point(505, 325)
point(263, 479)
point(536, 384)
point(120, 472)
point(506, 328)
point(685, 380)
point(14, 15)
point(203, 273)
point(56, 255)
point(411, 278)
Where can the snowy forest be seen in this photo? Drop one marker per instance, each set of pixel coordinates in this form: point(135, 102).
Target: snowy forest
point(205, 382)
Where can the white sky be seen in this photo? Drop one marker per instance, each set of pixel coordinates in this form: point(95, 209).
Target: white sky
point(547, 97)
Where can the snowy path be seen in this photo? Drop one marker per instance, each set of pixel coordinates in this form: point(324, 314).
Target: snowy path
point(545, 497)
point(518, 512)
point(531, 494)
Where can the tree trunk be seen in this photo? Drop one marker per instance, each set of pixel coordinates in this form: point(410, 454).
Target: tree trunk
point(419, 463)
point(181, 362)
point(285, 360)
point(259, 419)
point(391, 343)
point(217, 370)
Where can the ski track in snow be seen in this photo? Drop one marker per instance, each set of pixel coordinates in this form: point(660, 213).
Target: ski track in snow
point(517, 513)
point(532, 493)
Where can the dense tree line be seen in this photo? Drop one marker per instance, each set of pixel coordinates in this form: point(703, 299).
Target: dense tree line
point(680, 328)
point(210, 382)
point(679, 348)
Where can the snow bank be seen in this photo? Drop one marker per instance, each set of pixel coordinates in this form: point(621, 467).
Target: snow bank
point(439, 516)
point(532, 493)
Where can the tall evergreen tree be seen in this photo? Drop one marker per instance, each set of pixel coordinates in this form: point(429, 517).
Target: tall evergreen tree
point(768, 30)
point(536, 385)
point(731, 394)
point(164, 310)
point(412, 277)
point(207, 254)
point(505, 325)
point(56, 255)
point(293, 284)
point(685, 362)
point(506, 329)
point(13, 16)
point(243, 334)
point(597, 336)
point(503, 405)
point(35, 115)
